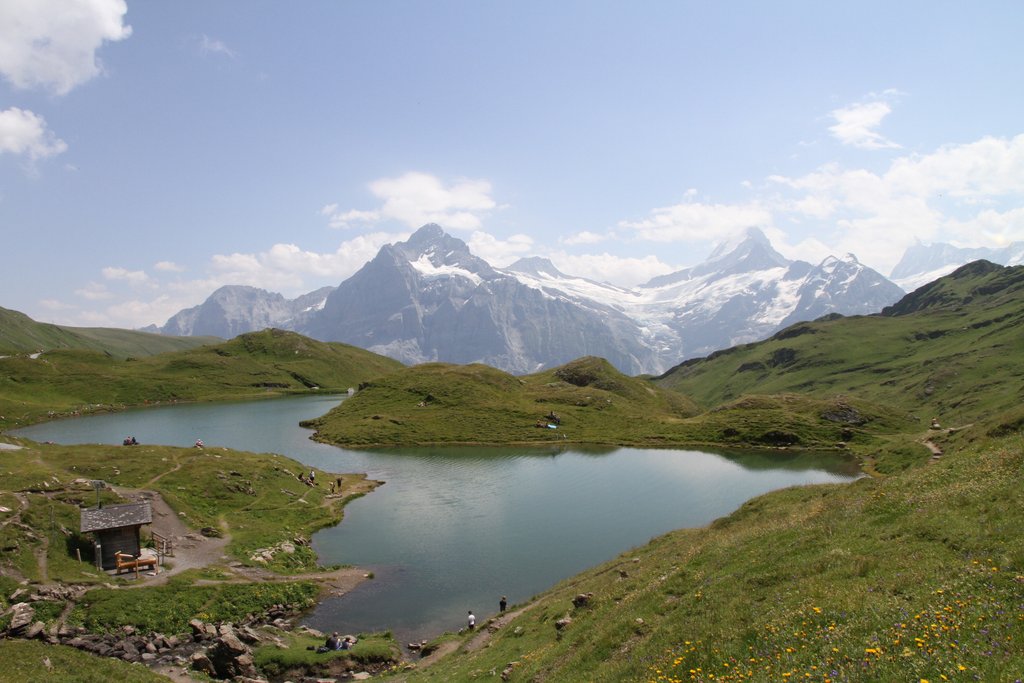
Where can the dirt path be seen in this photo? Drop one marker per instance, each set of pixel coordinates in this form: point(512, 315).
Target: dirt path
point(476, 642)
point(191, 549)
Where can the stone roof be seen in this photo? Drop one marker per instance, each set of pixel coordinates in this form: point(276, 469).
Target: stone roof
point(116, 516)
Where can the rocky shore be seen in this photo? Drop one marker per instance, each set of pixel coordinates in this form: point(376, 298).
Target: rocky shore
point(221, 651)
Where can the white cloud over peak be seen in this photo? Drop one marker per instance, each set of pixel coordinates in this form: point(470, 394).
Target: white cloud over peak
point(968, 193)
point(692, 221)
point(414, 199)
point(499, 253)
point(605, 267)
point(856, 124)
point(286, 266)
point(52, 44)
point(25, 133)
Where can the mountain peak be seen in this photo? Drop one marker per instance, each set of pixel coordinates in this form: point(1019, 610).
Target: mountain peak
point(535, 265)
point(748, 238)
point(431, 232)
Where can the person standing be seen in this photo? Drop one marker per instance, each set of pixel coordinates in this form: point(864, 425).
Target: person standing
point(502, 604)
point(471, 620)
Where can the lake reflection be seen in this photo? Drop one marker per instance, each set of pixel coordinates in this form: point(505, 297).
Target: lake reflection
point(454, 529)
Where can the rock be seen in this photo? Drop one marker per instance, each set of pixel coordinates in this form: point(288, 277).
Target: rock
point(582, 600)
point(247, 635)
point(35, 630)
point(21, 616)
point(200, 662)
point(507, 672)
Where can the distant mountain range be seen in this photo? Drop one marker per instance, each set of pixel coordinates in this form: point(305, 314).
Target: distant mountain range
point(430, 299)
point(922, 264)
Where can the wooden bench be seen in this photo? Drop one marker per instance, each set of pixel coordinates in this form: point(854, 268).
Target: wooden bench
point(129, 562)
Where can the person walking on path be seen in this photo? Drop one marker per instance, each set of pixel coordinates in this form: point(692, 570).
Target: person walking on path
point(502, 604)
point(471, 620)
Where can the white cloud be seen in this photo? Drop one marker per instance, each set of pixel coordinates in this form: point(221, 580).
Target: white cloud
point(94, 291)
point(967, 193)
point(134, 277)
point(698, 222)
point(168, 267)
point(499, 253)
point(855, 125)
point(586, 237)
point(25, 133)
point(605, 267)
point(52, 44)
point(414, 199)
point(212, 46)
point(286, 267)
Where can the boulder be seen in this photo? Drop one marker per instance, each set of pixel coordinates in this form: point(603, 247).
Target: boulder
point(582, 600)
point(22, 615)
point(35, 630)
point(200, 662)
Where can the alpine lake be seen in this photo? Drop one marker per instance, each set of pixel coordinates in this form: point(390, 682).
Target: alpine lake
point(454, 529)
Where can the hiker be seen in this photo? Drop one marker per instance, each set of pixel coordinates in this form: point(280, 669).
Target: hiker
point(502, 604)
point(338, 482)
point(554, 418)
point(333, 643)
point(199, 443)
point(471, 620)
point(347, 642)
point(312, 477)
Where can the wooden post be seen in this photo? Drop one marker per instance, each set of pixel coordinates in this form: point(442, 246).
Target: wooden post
point(78, 554)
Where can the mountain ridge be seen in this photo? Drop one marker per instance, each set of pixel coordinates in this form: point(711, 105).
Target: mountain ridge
point(430, 298)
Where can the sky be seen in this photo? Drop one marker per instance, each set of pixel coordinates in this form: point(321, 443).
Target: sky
point(151, 152)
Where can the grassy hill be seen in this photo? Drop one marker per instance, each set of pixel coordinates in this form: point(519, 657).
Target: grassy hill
point(953, 349)
point(21, 334)
point(251, 365)
point(442, 403)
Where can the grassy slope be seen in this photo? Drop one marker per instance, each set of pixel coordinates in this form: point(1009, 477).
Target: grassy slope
point(21, 334)
point(438, 402)
point(596, 403)
point(951, 349)
point(24, 660)
point(248, 366)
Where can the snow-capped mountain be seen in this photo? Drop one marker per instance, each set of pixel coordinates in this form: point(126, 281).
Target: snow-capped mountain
point(922, 264)
point(235, 309)
point(743, 292)
point(431, 299)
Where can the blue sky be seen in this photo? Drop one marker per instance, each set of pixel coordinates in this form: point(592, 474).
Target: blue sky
point(151, 152)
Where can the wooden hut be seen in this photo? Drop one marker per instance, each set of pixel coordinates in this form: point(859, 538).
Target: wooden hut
point(116, 529)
